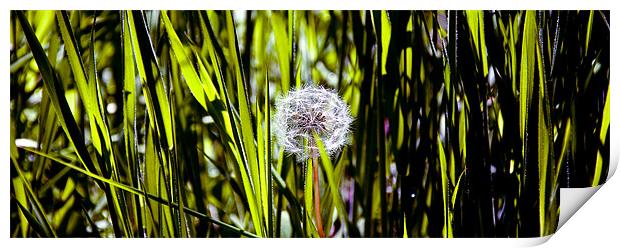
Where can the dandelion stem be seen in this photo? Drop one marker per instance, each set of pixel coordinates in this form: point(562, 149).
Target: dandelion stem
point(317, 197)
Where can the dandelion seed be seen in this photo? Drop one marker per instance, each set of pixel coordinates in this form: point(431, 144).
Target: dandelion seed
point(305, 111)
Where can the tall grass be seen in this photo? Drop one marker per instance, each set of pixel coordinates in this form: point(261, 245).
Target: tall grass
point(158, 123)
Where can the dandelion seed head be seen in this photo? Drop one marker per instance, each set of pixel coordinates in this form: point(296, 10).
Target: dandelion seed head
point(305, 111)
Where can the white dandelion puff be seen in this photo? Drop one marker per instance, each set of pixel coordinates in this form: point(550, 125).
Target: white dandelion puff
point(308, 110)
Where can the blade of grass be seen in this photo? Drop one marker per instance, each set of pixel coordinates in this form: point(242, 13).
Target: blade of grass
point(45, 139)
point(589, 30)
point(245, 121)
point(238, 148)
point(526, 76)
point(311, 230)
point(447, 229)
point(102, 130)
point(48, 230)
point(598, 169)
point(56, 93)
point(158, 108)
point(545, 143)
point(92, 224)
point(268, 171)
point(202, 91)
point(32, 220)
point(282, 45)
point(475, 20)
point(19, 194)
point(263, 164)
point(79, 74)
point(138, 192)
point(129, 116)
point(332, 181)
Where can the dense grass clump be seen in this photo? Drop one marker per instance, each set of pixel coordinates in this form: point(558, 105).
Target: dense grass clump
point(181, 123)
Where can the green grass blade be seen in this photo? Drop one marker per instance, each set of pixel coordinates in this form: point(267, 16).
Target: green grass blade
point(457, 189)
point(526, 76)
point(238, 152)
point(56, 93)
point(543, 156)
point(385, 36)
point(238, 148)
point(564, 150)
point(545, 146)
point(31, 220)
point(589, 30)
point(19, 194)
point(130, 94)
point(282, 45)
point(87, 87)
point(194, 83)
point(598, 169)
point(85, 172)
point(46, 225)
point(152, 178)
point(159, 111)
point(605, 123)
point(263, 167)
point(482, 51)
point(405, 235)
point(447, 229)
point(268, 171)
point(475, 21)
point(155, 94)
point(138, 192)
point(247, 134)
point(332, 180)
point(102, 130)
point(90, 220)
point(75, 61)
point(311, 230)
point(46, 137)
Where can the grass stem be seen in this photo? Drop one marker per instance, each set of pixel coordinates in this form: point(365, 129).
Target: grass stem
point(317, 197)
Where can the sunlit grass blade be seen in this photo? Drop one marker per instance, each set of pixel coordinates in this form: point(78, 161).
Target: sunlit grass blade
point(56, 93)
point(263, 137)
point(310, 227)
point(158, 108)
point(333, 182)
point(385, 35)
point(589, 30)
point(130, 94)
point(19, 194)
point(202, 91)
point(282, 45)
point(245, 121)
point(238, 147)
point(543, 142)
point(447, 229)
point(136, 191)
point(475, 20)
point(527, 70)
point(46, 135)
point(42, 221)
point(31, 220)
point(102, 130)
point(598, 169)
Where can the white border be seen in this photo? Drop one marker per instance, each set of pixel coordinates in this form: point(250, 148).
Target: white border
point(315, 4)
point(590, 225)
